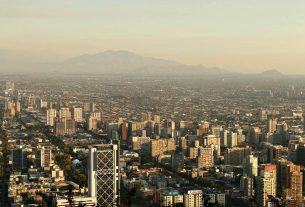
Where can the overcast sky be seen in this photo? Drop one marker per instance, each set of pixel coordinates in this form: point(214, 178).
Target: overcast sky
point(239, 35)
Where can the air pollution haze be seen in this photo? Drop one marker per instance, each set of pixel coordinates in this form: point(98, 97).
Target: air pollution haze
point(237, 36)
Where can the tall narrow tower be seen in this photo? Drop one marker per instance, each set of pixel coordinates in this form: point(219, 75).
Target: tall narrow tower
point(103, 175)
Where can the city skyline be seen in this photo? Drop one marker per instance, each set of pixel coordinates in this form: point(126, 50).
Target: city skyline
point(236, 35)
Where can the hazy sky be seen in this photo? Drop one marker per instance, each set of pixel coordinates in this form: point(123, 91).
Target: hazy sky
point(239, 35)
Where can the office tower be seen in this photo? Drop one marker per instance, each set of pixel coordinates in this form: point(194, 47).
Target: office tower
point(193, 198)
point(263, 115)
point(266, 184)
point(254, 135)
point(206, 157)
point(232, 139)
point(162, 146)
point(247, 186)
point(43, 157)
point(91, 123)
point(271, 127)
point(64, 113)
point(103, 174)
point(78, 114)
point(19, 159)
point(236, 155)
point(250, 166)
point(51, 115)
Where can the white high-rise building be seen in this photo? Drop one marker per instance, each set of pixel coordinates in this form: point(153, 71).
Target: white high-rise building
point(51, 115)
point(103, 175)
point(78, 114)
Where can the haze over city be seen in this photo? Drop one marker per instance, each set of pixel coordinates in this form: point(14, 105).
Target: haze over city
point(238, 36)
point(152, 103)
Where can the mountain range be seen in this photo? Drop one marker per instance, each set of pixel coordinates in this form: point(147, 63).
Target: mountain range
point(107, 62)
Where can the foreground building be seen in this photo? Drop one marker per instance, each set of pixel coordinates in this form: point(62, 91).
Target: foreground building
point(103, 175)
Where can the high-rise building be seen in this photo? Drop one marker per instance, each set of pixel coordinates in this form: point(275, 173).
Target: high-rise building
point(64, 126)
point(43, 104)
point(70, 126)
point(51, 115)
point(206, 157)
point(247, 186)
point(295, 189)
point(91, 123)
point(103, 174)
point(250, 166)
point(193, 198)
point(78, 114)
point(183, 145)
point(224, 138)
point(19, 158)
point(212, 140)
point(236, 155)
point(162, 146)
point(43, 157)
point(64, 113)
point(266, 184)
point(145, 116)
point(272, 125)
point(157, 119)
point(86, 106)
point(232, 139)
point(254, 135)
point(97, 115)
point(263, 115)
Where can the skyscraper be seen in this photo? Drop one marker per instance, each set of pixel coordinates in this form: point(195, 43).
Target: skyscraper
point(103, 175)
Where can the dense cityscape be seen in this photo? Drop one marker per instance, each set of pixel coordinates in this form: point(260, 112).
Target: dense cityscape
point(149, 140)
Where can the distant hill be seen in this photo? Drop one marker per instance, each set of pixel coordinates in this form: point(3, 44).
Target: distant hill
point(271, 73)
point(120, 62)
